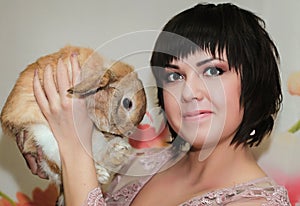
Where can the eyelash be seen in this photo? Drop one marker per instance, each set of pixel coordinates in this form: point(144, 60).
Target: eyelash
point(169, 76)
point(219, 71)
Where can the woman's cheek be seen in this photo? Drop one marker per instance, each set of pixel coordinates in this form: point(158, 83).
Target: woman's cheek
point(172, 108)
point(234, 112)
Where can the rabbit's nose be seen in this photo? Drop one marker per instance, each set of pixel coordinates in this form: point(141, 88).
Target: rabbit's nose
point(127, 103)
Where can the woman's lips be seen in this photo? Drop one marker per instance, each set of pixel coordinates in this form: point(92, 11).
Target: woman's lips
point(197, 114)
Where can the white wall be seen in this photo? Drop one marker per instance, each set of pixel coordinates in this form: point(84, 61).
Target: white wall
point(32, 28)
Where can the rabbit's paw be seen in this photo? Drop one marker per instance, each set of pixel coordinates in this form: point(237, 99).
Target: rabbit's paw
point(103, 174)
point(61, 200)
point(118, 151)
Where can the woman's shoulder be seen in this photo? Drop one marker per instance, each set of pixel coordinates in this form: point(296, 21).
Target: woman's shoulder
point(262, 191)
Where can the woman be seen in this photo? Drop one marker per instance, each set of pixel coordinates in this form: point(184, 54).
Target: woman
point(218, 82)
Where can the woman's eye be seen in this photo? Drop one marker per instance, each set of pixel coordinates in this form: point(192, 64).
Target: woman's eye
point(172, 77)
point(213, 71)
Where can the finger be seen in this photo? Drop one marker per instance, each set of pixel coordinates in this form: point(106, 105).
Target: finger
point(20, 142)
point(31, 162)
point(50, 87)
point(40, 154)
point(40, 172)
point(39, 94)
point(21, 138)
point(75, 69)
point(62, 78)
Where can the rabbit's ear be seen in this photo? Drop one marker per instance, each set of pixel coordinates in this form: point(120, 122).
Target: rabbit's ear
point(92, 84)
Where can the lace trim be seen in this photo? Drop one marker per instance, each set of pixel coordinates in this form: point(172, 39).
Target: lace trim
point(274, 196)
point(279, 197)
point(126, 194)
point(95, 198)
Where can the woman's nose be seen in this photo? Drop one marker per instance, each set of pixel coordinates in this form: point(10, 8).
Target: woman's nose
point(194, 88)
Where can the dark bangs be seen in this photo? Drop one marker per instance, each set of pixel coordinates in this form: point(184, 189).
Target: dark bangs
point(204, 27)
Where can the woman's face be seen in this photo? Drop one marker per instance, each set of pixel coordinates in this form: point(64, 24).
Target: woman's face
point(202, 99)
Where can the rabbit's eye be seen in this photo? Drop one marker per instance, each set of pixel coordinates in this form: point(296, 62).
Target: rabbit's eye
point(127, 103)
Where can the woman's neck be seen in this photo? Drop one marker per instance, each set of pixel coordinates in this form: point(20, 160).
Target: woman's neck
point(226, 166)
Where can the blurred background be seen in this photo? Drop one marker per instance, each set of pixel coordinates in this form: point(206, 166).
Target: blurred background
point(126, 30)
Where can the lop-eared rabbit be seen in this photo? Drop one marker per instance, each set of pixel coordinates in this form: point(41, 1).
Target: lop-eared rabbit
point(116, 103)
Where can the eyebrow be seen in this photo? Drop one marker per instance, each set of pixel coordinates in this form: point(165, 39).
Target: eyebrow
point(198, 64)
point(173, 66)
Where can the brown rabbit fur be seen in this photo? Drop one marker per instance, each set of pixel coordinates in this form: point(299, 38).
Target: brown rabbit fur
point(115, 99)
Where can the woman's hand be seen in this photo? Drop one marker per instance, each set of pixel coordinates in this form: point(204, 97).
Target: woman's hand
point(72, 128)
point(67, 116)
point(33, 160)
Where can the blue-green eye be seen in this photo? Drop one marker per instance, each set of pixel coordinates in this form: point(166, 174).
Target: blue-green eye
point(213, 71)
point(173, 76)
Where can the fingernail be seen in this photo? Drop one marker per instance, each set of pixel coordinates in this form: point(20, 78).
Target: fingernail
point(48, 67)
point(60, 61)
point(35, 72)
point(74, 54)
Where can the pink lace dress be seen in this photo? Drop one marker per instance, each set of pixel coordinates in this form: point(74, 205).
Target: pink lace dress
point(125, 187)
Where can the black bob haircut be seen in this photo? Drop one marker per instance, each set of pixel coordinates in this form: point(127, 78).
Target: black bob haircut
point(249, 49)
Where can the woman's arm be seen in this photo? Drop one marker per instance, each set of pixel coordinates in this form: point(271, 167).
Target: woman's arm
point(72, 128)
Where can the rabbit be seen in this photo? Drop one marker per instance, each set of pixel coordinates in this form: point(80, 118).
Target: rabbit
point(115, 100)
